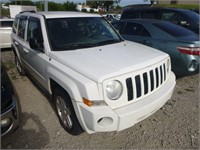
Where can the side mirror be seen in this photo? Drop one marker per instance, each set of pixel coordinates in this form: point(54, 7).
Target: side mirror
point(34, 44)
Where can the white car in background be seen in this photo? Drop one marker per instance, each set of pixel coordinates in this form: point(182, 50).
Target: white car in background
point(112, 17)
point(5, 32)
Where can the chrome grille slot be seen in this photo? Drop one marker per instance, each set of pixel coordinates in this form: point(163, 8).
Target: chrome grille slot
point(146, 82)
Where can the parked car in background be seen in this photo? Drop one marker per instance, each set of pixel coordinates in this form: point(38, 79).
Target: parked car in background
point(181, 44)
point(112, 17)
point(183, 17)
point(9, 107)
point(5, 32)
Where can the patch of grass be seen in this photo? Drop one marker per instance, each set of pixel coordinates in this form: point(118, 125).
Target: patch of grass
point(182, 6)
point(9, 64)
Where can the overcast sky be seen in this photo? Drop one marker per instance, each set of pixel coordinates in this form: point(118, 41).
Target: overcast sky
point(122, 3)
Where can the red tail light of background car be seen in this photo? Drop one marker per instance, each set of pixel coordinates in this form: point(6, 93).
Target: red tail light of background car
point(189, 50)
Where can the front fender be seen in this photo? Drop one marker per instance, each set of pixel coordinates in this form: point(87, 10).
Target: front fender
point(65, 82)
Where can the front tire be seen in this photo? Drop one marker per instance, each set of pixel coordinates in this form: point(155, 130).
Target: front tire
point(65, 112)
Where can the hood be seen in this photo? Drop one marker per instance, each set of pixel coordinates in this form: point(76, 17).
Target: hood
point(104, 62)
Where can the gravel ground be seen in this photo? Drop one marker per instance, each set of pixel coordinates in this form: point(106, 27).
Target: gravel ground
point(174, 126)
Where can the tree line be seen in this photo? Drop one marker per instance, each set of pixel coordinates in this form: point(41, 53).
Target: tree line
point(66, 6)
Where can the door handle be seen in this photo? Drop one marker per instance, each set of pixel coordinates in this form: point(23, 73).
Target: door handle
point(16, 43)
point(25, 50)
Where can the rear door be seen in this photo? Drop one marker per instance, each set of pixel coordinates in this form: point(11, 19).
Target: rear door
point(19, 36)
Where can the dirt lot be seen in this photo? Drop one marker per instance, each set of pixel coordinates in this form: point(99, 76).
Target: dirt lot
point(174, 126)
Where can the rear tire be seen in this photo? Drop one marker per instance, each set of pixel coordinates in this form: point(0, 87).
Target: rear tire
point(65, 112)
point(20, 69)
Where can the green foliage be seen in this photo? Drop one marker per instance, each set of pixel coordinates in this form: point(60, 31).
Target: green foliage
point(178, 6)
point(52, 6)
point(4, 13)
point(69, 6)
point(21, 2)
point(93, 4)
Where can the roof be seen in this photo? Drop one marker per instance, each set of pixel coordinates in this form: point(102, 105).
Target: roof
point(64, 14)
point(144, 21)
point(155, 8)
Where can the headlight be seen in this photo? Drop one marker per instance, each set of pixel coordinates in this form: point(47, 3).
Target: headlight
point(114, 90)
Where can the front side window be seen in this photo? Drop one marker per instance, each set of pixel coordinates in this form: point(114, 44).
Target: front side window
point(76, 33)
point(22, 27)
point(34, 31)
point(135, 29)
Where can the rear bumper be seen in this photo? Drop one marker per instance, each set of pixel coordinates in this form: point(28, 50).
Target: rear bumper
point(104, 119)
point(5, 45)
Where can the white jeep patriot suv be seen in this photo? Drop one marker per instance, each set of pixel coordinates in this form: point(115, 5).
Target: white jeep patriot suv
point(98, 81)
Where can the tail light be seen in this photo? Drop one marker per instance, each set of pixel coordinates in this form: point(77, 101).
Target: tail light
point(189, 50)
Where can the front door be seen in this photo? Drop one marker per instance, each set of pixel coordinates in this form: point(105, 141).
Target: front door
point(35, 58)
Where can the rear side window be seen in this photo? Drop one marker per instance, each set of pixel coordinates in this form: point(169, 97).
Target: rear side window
point(151, 14)
point(22, 26)
point(130, 14)
point(169, 15)
point(6, 24)
point(173, 29)
point(136, 30)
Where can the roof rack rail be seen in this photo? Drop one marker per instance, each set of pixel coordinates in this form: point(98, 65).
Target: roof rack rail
point(31, 11)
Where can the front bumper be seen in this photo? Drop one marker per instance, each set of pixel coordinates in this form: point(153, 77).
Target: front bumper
point(104, 119)
point(10, 114)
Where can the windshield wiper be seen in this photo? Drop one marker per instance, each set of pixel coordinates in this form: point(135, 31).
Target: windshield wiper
point(86, 45)
point(74, 46)
point(108, 42)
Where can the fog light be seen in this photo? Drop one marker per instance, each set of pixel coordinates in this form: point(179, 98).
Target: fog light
point(5, 122)
point(193, 65)
point(105, 121)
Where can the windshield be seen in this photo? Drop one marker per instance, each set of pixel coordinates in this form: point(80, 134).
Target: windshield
point(173, 29)
point(193, 16)
point(76, 33)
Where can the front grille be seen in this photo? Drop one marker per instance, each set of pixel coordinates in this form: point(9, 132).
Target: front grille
point(146, 82)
